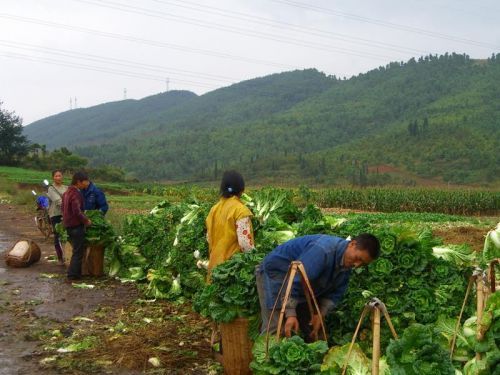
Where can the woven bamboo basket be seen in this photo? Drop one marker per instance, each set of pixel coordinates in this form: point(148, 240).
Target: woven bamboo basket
point(236, 347)
point(92, 262)
point(23, 254)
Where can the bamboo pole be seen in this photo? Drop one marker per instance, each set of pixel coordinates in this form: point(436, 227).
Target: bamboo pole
point(480, 308)
point(480, 298)
point(376, 341)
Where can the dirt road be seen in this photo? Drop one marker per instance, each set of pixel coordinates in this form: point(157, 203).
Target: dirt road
point(30, 301)
point(37, 309)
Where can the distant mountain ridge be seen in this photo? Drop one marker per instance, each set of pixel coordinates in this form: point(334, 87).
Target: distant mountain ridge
point(101, 122)
point(435, 118)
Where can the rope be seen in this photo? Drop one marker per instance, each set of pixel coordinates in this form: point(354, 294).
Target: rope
point(346, 361)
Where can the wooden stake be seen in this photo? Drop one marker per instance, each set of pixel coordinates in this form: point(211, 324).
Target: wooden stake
point(376, 341)
point(480, 298)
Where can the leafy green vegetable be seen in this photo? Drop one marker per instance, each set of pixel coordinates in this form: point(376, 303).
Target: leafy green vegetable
point(159, 282)
point(288, 356)
point(464, 345)
point(61, 231)
point(488, 343)
point(461, 255)
point(418, 352)
point(233, 291)
point(491, 250)
point(83, 286)
point(415, 285)
point(358, 364)
point(87, 343)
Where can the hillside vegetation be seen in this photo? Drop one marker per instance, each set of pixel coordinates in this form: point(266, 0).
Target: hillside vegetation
point(432, 120)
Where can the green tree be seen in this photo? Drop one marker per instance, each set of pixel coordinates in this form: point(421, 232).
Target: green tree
point(13, 144)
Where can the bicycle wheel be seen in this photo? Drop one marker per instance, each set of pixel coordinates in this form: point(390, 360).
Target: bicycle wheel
point(44, 226)
point(48, 225)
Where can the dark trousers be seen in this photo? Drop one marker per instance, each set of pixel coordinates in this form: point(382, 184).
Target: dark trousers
point(57, 243)
point(77, 239)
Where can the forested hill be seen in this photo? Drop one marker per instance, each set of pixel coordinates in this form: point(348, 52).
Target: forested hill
point(435, 119)
point(103, 122)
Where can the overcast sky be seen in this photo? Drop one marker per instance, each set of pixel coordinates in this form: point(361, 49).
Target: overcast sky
point(53, 51)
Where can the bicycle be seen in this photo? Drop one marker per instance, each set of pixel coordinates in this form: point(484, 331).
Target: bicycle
point(42, 218)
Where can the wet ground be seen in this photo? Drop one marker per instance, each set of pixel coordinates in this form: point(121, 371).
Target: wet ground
point(39, 312)
point(28, 298)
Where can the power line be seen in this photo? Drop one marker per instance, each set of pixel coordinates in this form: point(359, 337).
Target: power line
point(235, 30)
point(391, 25)
point(96, 58)
point(154, 43)
point(280, 24)
point(99, 69)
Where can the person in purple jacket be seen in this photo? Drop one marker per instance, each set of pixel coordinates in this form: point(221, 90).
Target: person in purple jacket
point(75, 221)
point(328, 262)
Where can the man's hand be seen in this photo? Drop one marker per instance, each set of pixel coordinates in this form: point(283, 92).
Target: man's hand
point(292, 324)
point(89, 223)
point(315, 323)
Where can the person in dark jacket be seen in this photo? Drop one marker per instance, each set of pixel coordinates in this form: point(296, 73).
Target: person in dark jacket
point(94, 198)
point(328, 262)
point(75, 221)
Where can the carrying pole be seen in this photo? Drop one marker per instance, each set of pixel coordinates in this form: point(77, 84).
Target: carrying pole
point(377, 308)
point(376, 341)
point(296, 267)
point(494, 263)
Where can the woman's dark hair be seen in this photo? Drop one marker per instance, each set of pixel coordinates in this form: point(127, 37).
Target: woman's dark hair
point(55, 171)
point(79, 176)
point(232, 184)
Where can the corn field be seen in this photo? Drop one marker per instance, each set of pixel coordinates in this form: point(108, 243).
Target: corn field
point(456, 202)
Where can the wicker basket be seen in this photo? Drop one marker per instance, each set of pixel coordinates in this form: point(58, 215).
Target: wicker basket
point(23, 254)
point(92, 262)
point(236, 347)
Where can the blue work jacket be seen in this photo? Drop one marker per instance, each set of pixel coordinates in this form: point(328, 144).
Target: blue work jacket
point(94, 199)
point(321, 256)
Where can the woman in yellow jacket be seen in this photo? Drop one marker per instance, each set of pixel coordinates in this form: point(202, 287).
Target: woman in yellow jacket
point(229, 224)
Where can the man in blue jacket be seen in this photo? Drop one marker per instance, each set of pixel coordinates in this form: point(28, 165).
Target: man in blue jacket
point(328, 262)
point(94, 199)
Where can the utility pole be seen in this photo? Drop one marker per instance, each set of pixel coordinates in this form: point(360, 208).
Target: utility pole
point(125, 94)
point(70, 103)
point(76, 105)
point(167, 82)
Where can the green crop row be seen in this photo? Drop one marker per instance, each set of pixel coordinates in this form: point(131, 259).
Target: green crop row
point(456, 202)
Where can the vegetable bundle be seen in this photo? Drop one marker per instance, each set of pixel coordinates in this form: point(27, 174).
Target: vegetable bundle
point(100, 232)
point(232, 293)
point(159, 249)
point(290, 356)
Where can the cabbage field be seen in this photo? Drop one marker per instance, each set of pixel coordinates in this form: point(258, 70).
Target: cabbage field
point(421, 279)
